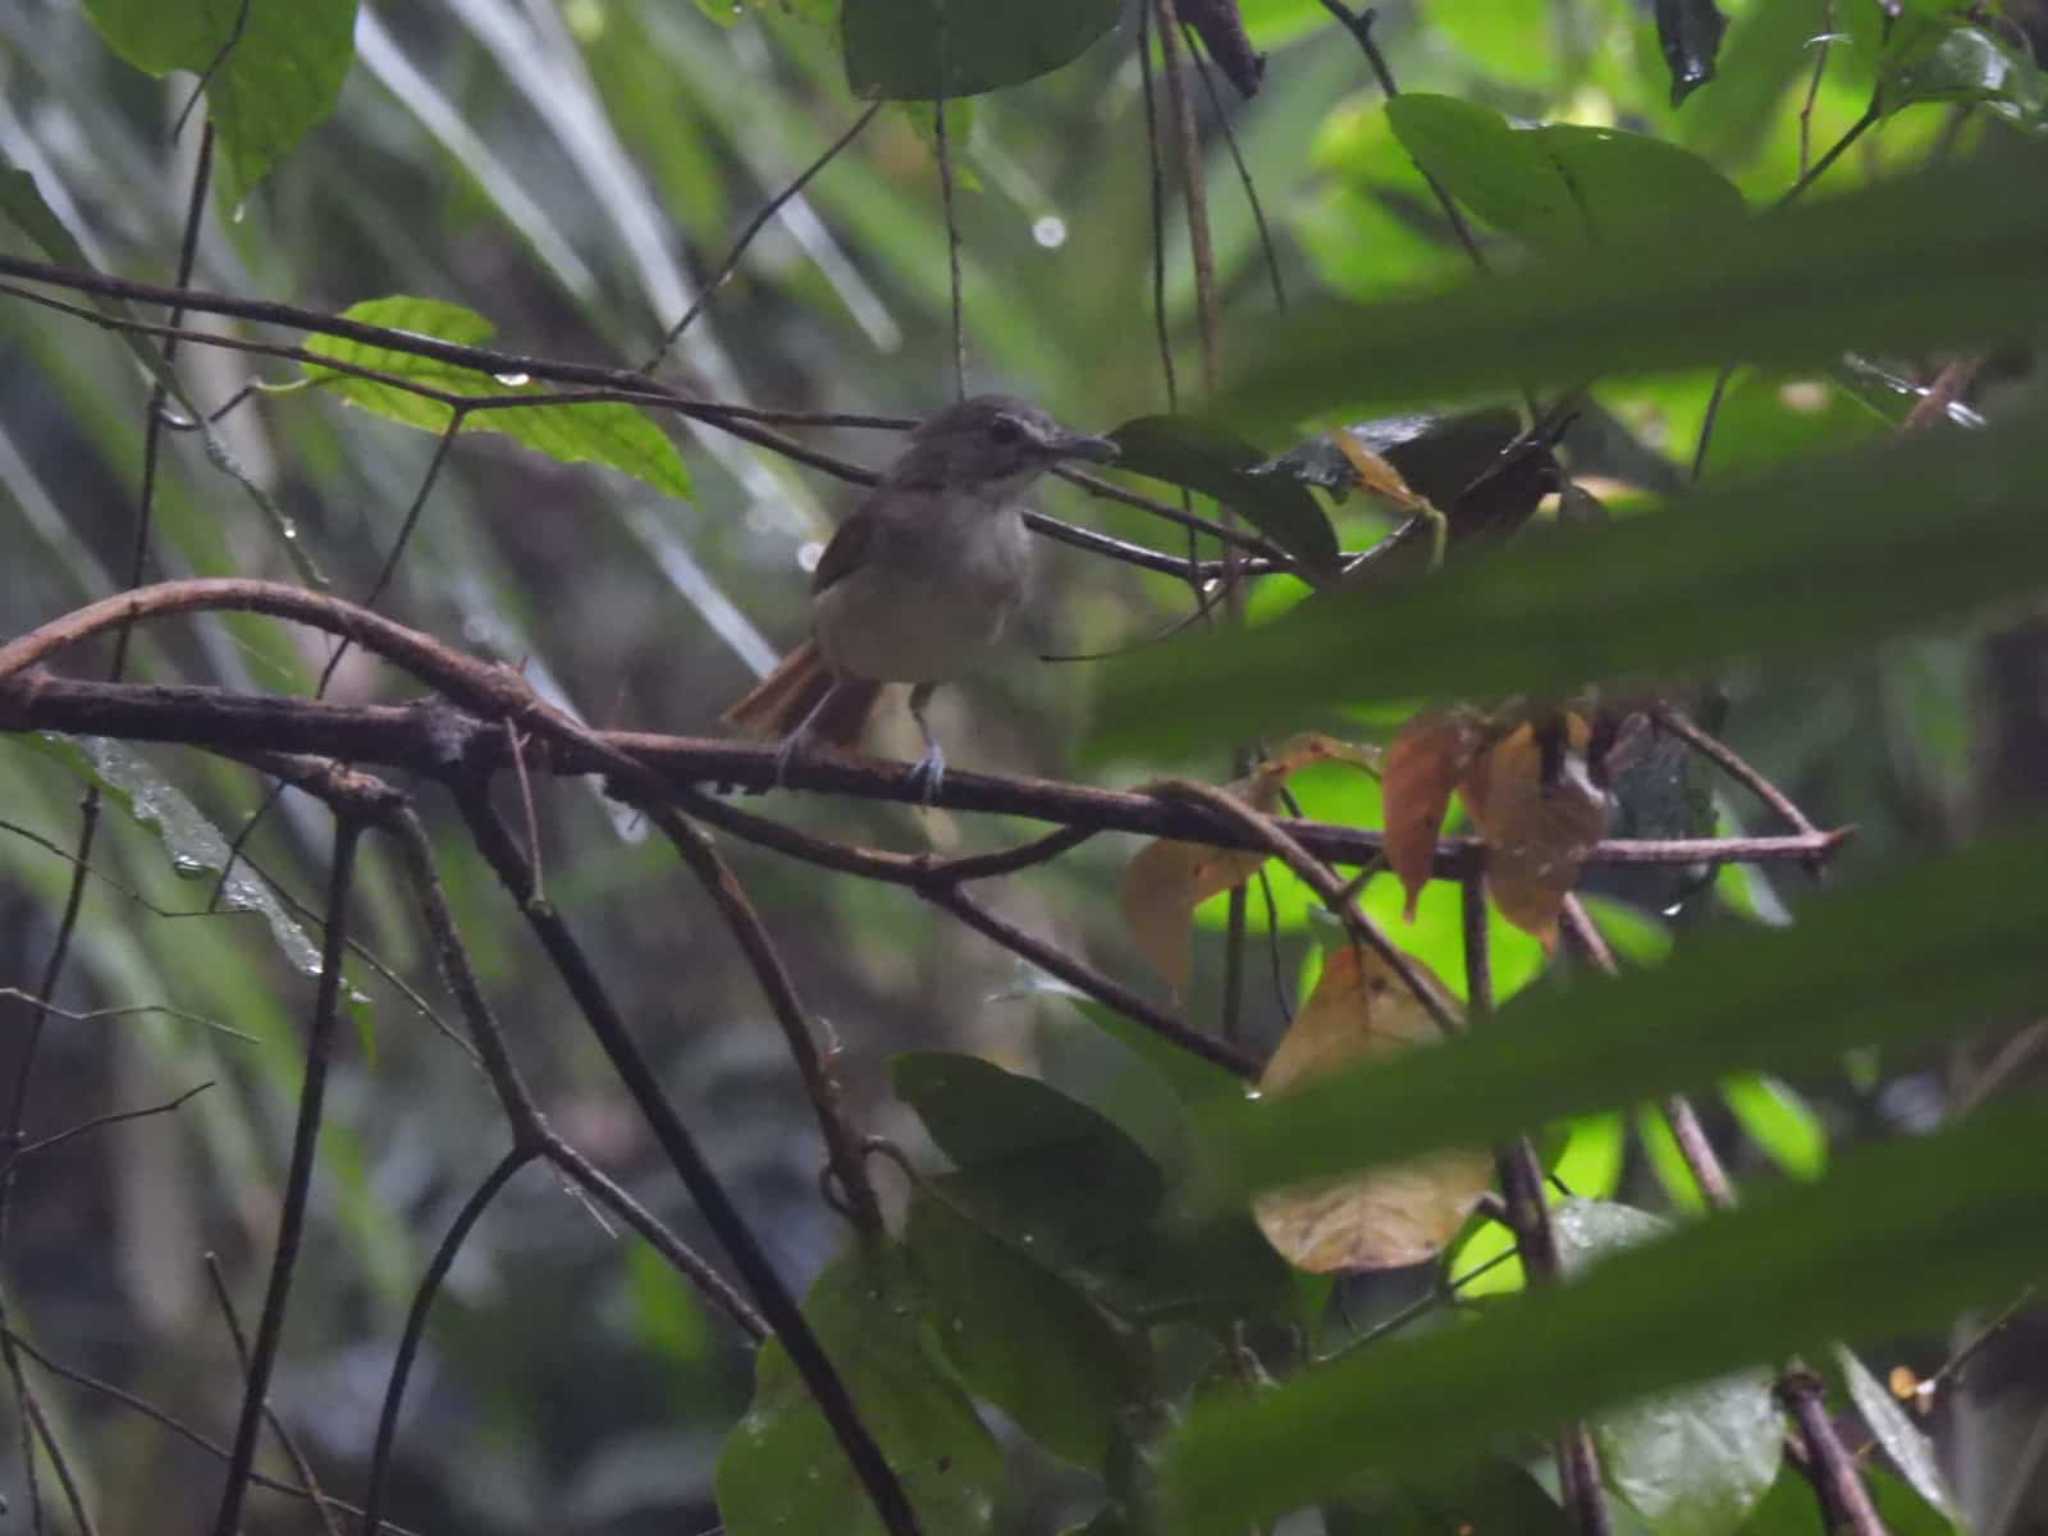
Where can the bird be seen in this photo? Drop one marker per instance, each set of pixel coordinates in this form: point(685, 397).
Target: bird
point(918, 582)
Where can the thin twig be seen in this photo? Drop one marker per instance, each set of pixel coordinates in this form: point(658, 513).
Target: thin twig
point(298, 1183)
point(99, 1122)
point(1244, 174)
point(1827, 1461)
point(438, 1265)
point(1528, 1216)
point(842, 1143)
point(1820, 69)
point(820, 1377)
point(754, 226)
point(1724, 757)
point(300, 1463)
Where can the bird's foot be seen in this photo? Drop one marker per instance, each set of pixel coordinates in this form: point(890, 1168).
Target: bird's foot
point(793, 746)
point(928, 774)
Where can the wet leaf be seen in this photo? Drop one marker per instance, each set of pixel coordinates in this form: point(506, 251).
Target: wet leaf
point(1950, 60)
point(1167, 879)
point(1904, 1442)
point(611, 433)
point(1689, 32)
point(1539, 819)
point(1393, 1216)
point(1426, 762)
point(1691, 1463)
point(274, 74)
point(782, 1472)
point(1188, 451)
point(916, 50)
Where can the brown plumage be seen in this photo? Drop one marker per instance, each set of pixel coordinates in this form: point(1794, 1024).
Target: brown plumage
point(778, 704)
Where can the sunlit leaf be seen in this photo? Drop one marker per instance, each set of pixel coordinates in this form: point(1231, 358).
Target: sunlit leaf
point(271, 75)
point(921, 49)
point(1796, 1263)
point(782, 1469)
point(608, 432)
point(1394, 1216)
point(1778, 1120)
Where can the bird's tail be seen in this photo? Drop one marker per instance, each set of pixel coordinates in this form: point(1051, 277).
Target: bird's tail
point(784, 699)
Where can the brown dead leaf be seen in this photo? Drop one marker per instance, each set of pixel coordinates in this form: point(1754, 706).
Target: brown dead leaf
point(1537, 833)
point(1392, 1216)
point(1430, 755)
point(1377, 475)
point(1167, 880)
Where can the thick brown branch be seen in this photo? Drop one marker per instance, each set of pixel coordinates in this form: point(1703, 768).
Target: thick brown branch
point(430, 739)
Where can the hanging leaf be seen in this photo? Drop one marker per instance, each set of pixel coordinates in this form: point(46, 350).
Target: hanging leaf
point(1429, 757)
point(1904, 1443)
point(1222, 32)
point(1689, 32)
point(1167, 879)
point(1540, 814)
point(1391, 1217)
point(271, 75)
point(605, 432)
point(1691, 1463)
point(1185, 450)
point(918, 50)
point(782, 1471)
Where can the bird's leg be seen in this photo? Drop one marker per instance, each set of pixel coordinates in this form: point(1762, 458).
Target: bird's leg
point(931, 768)
point(796, 741)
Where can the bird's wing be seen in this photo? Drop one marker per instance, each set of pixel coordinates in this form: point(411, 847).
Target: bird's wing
point(848, 549)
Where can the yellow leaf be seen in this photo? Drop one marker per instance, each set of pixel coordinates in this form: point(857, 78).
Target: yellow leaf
point(1392, 1216)
point(1167, 879)
point(1428, 758)
point(1539, 820)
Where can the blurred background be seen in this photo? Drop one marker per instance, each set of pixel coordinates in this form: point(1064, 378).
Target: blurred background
point(574, 172)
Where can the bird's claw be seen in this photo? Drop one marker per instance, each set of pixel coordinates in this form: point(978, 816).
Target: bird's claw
point(929, 772)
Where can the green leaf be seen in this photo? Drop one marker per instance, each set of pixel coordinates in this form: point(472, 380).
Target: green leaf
point(1689, 32)
point(611, 433)
point(1945, 257)
point(1779, 1121)
point(270, 83)
point(1693, 1462)
point(1500, 174)
point(1044, 1170)
point(1062, 1184)
point(1019, 1335)
point(1561, 186)
point(782, 1472)
point(1486, 1497)
point(920, 49)
point(1904, 1443)
point(1798, 1263)
point(1817, 558)
point(1950, 60)
point(1917, 955)
point(1185, 450)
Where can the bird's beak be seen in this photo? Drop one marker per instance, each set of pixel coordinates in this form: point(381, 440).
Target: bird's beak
point(1073, 445)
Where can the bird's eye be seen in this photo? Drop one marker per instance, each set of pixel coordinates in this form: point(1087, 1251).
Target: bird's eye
point(1006, 430)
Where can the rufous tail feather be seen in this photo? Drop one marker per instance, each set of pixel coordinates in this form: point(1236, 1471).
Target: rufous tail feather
point(782, 700)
